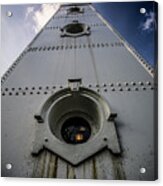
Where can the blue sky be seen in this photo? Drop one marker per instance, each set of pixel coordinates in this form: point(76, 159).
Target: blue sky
point(138, 29)
point(19, 29)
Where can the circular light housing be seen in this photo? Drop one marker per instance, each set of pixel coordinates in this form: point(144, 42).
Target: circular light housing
point(75, 130)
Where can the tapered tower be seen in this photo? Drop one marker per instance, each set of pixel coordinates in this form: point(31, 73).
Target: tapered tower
point(79, 103)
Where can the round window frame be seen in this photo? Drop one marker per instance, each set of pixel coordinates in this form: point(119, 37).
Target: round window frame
point(80, 10)
point(75, 154)
point(85, 31)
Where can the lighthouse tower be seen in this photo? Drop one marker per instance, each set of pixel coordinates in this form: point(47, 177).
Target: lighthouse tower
point(79, 103)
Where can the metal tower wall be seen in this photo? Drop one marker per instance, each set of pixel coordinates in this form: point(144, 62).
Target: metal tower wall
point(107, 64)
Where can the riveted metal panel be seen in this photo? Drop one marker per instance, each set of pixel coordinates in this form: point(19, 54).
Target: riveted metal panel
point(107, 64)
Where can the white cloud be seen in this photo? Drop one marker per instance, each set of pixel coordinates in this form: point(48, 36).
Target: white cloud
point(29, 11)
point(38, 18)
point(149, 23)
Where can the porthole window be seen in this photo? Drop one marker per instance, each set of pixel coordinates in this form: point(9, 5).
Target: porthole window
point(75, 10)
point(75, 29)
point(76, 130)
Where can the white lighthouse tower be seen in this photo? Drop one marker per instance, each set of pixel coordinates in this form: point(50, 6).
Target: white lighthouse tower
point(79, 103)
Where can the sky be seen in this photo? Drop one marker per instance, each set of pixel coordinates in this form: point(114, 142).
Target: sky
point(20, 27)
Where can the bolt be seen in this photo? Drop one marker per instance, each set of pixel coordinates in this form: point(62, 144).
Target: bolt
point(142, 170)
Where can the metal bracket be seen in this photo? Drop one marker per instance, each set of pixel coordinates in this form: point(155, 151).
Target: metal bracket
point(74, 84)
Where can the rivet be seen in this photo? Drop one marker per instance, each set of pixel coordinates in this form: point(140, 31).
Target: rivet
point(152, 88)
point(89, 85)
point(3, 94)
point(133, 83)
point(24, 93)
point(136, 89)
point(113, 89)
point(19, 88)
point(148, 83)
point(126, 84)
point(6, 89)
point(40, 88)
point(105, 139)
point(118, 84)
point(47, 87)
point(140, 83)
point(26, 88)
point(38, 92)
point(143, 88)
point(98, 90)
point(54, 87)
point(61, 87)
point(13, 89)
point(105, 90)
point(31, 93)
point(10, 93)
point(97, 85)
point(104, 85)
point(16, 93)
point(45, 92)
point(128, 89)
point(120, 89)
point(111, 84)
point(46, 139)
point(33, 88)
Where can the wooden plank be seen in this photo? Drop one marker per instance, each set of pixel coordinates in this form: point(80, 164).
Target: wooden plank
point(61, 169)
point(46, 164)
point(39, 165)
point(70, 172)
point(104, 166)
point(79, 171)
point(119, 173)
point(52, 166)
point(88, 169)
